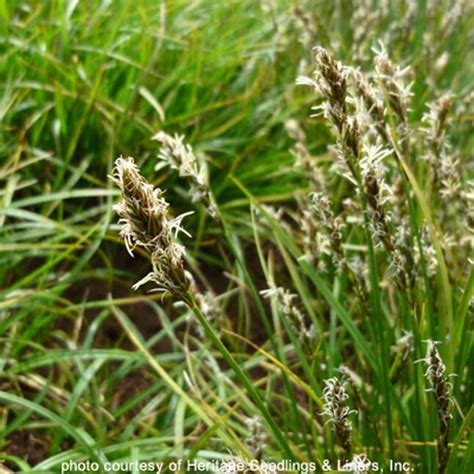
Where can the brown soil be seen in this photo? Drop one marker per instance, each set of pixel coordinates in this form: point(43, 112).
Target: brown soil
point(28, 446)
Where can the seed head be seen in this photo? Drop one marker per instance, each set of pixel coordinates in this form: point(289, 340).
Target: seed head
point(429, 253)
point(315, 240)
point(306, 163)
point(295, 131)
point(180, 156)
point(330, 225)
point(435, 124)
point(335, 398)
point(392, 79)
point(146, 223)
point(359, 464)
point(441, 388)
point(210, 308)
point(372, 100)
point(330, 82)
point(257, 438)
point(377, 191)
point(296, 318)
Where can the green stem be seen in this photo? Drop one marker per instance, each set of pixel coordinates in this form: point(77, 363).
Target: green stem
point(379, 317)
point(241, 375)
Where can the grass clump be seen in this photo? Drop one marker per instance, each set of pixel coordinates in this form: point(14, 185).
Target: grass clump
point(282, 319)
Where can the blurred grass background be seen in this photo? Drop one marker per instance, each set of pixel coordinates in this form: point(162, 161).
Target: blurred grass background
point(83, 82)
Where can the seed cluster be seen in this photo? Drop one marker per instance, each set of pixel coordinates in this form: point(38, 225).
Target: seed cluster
point(180, 156)
point(146, 223)
point(299, 322)
point(441, 389)
point(338, 412)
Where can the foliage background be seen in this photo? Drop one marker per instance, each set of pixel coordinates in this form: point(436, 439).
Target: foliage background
point(84, 82)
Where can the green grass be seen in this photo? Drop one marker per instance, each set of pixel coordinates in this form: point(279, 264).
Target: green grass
point(90, 369)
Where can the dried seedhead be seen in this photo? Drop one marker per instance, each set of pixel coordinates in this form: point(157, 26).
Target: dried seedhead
point(257, 438)
point(180, 156)
point(146, 223)
point(335, 407)
point(299, 323)
point(442, 392)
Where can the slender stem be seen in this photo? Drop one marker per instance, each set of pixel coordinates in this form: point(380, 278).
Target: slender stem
point(379, 322)
point(240, 373)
